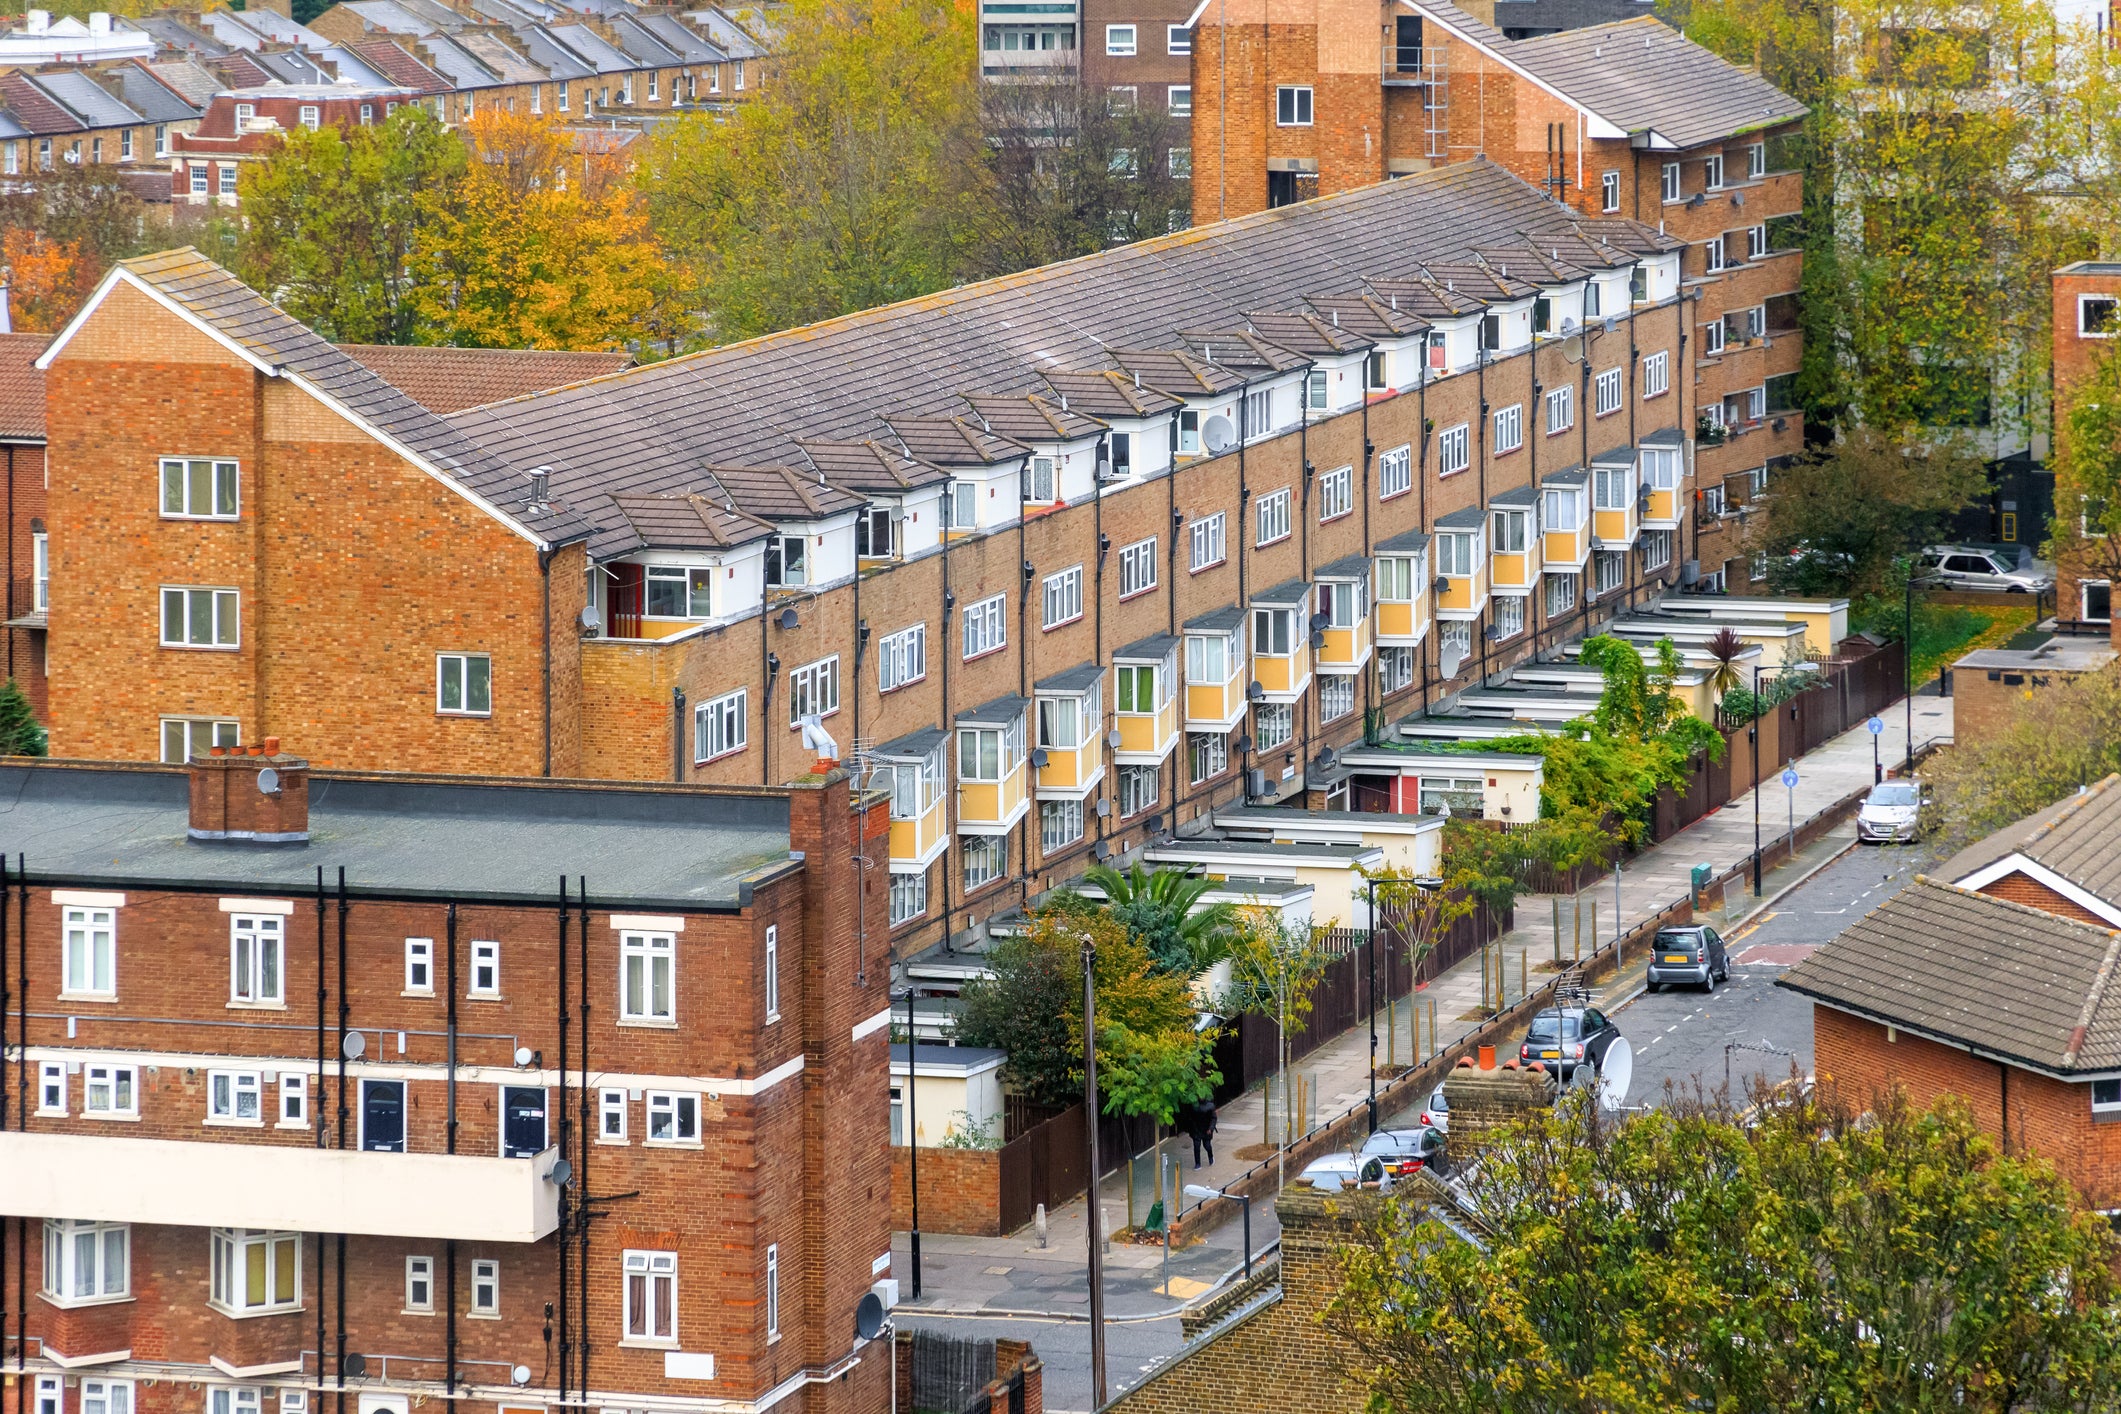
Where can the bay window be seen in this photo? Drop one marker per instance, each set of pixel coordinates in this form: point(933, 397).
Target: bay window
point(255, 1272)
point(989, 753)
point(86, 1261)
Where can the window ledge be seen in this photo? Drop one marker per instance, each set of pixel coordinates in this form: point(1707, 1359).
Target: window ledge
point(427, 995)
point(641, 1342)
point(257, 1006)
point(482, 1315)
point(235, 1315)
point(614, 1143)
point(105, 998)
point(649, 1023)
point(672, 1144)
point(75, 1303)
point(212, 1123)
point(112, 1116)
point(482, 997)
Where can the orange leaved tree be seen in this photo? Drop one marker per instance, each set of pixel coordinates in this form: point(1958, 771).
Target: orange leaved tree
point(46, 279)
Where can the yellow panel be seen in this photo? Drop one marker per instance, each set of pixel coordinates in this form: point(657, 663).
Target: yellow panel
point(1137, 732)
point(1213, 701)
point(1613, 525)
point(1464, 593)
point(1513, 571)
point(1065, 770)
point(1664, 505)
point(1398, 620)
point(1564, 547)
point(979, 802)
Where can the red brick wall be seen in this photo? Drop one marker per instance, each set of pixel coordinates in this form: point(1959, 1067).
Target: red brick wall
point(2026, 1111)
point(2023, 888)
point(961, 1191)
point(24, 463)
point(2074, 355)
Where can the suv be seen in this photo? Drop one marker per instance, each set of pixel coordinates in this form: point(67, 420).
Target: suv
point(1968, 567)
point(1692, 957)
point(1565, 1037)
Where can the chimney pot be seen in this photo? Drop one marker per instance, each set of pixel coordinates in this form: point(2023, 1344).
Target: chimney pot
point(1487, 1057)
point(239, 799)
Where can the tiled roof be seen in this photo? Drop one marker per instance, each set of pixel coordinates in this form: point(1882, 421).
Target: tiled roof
point(780, 493)
point(1177, 372)
point(652, 428)
point(189, 80)
point(241, 315)
point(1108, 393)
point(1371, 316)
point(593, 47)
point(87, 99)
point(240, 70)
point(1305, 333)
point(1984, 972)
point(1542, 264)
point(2078, 837)
point(679, 36)
point(151, 95)
point(870, 466)
point(35, 108)
point(1029, 418)
point(502, 58)
point(1646, 77)
point(450, 380)
point(1481, 281)
point(688, 523)
point(1243, 350)
point(21, 387)
point(395, 64)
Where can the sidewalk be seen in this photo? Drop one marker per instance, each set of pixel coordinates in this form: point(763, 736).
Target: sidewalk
point(1338, 1072)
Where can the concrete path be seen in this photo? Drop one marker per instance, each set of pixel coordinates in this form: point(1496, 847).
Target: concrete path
point(1337, 1073)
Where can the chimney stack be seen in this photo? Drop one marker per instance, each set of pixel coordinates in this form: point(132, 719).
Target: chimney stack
point(250, 795)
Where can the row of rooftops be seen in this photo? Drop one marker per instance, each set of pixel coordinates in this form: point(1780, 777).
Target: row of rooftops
point(182, 59)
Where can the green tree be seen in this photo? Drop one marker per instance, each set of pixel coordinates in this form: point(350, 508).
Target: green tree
point(1161, 908)
point(332, 222)
point(2087, 465)
point(1839, 518)
point(1724, 650)
point(1274, 967)
point(20, 732)
point(1808, 1259)
point(849, 180)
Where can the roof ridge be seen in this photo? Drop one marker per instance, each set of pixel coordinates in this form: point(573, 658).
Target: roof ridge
point(2092, 999)
point(2071, 804)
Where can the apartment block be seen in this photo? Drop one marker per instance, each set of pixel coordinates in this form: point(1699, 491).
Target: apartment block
point(1619, 120)
point(1139, 55)
point(332, 1091)
point(2087, 318)
point(1063, 562)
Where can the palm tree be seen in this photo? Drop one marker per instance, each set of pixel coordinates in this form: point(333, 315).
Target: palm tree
point(1726, 648)
point(1161, 907)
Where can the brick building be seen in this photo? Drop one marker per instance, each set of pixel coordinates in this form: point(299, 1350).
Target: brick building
point(1619, 120)
point(1995, 988)
point(2087, 317)
point(1139, 53)
point(1063, 581)
point(22, 452)
point(339, 1092)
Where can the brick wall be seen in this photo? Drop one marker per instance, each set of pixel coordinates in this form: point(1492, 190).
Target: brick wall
point(2023, 888)
point(24, 463)
point(2074, 355)
point(961, 1191)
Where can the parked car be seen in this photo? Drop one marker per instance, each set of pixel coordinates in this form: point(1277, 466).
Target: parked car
point(1407, 1151)
point(1688, 957)
point(1889, 813)
point(1565, 1037)
point(1970, 567)
point(1437, 1113)
point(1338, 1171)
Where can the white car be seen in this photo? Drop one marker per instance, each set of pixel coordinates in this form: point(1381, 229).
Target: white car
point(1968, 567)
point(1438, 1114)
point(1889, 813)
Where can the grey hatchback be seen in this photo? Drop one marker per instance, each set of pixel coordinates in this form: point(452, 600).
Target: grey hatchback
point(1688, 957)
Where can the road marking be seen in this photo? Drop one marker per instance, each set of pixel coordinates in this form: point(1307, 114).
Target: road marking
point(999, 1271)
point(1184, 1288)
point(1829, 910)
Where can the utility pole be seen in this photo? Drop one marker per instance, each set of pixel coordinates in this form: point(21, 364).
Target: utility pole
point(1755, 734)
point(913, 1140)
point(1096, 1214)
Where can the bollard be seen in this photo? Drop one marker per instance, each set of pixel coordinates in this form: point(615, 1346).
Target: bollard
point(1557, 928)
point(1041, 1221)
point(1522, 993)
point(1433, 1046)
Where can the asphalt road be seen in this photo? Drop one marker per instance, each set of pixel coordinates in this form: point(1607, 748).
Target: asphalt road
point(1684, 1038)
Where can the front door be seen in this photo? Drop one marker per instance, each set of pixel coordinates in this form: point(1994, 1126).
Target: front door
point(383, 1116)
point(385, 1404)
point(522, 1122)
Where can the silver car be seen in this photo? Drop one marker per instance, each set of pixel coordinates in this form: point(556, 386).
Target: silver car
point(1890, 813)
point(1335, 1172)
point(1966, 567)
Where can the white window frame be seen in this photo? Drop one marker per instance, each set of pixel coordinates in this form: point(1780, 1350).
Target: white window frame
point(1061, 598)
point(1669, 183)
point(650, 1299)
point(1458, 553)
point(226, 1092)
point(611, 1116)
point(257, 945)
point(694, 586)
point(1178, 100)
point(1509, 616)
point(721, 726)
point(1138, 790)
point(91, 969)
point(419, 967)
point(485, 1288)
point(1609, 191)
point(107, 1396)
point(648, 960)
point(983, 859)
point(1178, 39)
point(1271, 518)
point(460, 668)
point(185, 469)
point(1561, 409)
point(1060, 824)
point(224, 610)
point(485, 982)
point(1712, 172)
point(1712, 255)
point(1454, 449)
point(64, 1269)
point(1336, 696)
point(773, 1292)
point(234, 1399)
point(1509, 428)
point(985, 627)
point(1755, 161)
point(1395, 668)
point(1606, 387)
point(1656, 549)
point(902, 658)
point(1755, 242)
point(51, 1089)
point(1395, 472)
point(909, 897)
point(1121, 41)
point(1336, 494)
point(1656, 374)
point(229, 1265)
point(1316, 398)
point(1207, 756)
point(1041, 482)
point(1137, 568)
point(419, 1286)
point(2113, 304)
point(1273, 725)
point(679, 1111)
point(1207, 542)
point(293, 1107)
point(770, 972)
point(1297, 102)
point(118, 1088)
point(1712, 337)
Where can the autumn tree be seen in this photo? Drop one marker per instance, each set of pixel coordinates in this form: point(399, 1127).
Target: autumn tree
point(539, 242)
point(2057, 740)
point(1809, 1258)
point(2086, 533)
point(334, 220)
point(46, 279)
point(1839, 517)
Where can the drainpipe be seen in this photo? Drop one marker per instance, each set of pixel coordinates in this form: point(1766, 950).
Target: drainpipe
point(677, 734)
point(545, 586)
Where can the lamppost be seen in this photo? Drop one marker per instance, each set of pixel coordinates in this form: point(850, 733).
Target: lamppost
point(1755, 735)
point(1426, 887)
point(910, 1123)
point(1907, 662)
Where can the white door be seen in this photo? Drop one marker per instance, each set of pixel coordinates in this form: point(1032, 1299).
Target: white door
point(385, 1404)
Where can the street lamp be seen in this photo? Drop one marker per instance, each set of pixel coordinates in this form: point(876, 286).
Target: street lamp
point(1755, 735)
point(1427, 886)
point(1907, 661)
point(1196, 1190)
point(910, 1123)
point(1097, 1212)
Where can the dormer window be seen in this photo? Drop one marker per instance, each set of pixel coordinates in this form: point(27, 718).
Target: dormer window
point(1258, 415)
point(1542, 315)
point(680, 592)
point(1315, 390)
point(785, 562)
point(244, 113)
point(311, 115)
point(1490, 332)
point(1374, 371)
point(1122, 454)
point(1039, 482)
point(1439, 351)
point(873, 537)
point(1274, 633)
point(1185, 433)
point(1639, 284)
point(1590, 300)
point(962, 505)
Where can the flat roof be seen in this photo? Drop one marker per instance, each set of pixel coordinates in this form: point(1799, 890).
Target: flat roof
point(441, 837)
point(2057, 655)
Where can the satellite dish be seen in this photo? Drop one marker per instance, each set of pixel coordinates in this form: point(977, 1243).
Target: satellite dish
point(869, 1316)
point(1615, 1074)
point(355, 1365)
point(561, 1174)
point(352, 1044)
point(816, 738)
point(1452, 656)
point(525, 1055)
point(592, 617)
point(1572, 346)
point(1218, 434)
point(520, 1375)
point(268, 782)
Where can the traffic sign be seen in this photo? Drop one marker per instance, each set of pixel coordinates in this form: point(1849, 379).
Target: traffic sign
point(1789, 777)
point(1875, 726)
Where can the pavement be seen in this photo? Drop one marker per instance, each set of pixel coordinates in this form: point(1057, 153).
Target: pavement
point(1016, 1284)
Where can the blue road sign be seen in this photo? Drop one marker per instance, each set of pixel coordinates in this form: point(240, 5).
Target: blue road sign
point(1875, 726)
point(1789, 777)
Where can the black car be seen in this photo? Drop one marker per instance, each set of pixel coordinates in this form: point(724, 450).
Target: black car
point(1565, 1037)
point(1688, 957)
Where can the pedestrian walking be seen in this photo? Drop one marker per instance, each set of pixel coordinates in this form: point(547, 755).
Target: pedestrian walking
point(1200, 1120)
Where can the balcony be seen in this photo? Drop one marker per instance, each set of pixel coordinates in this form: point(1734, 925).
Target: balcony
point(1070, 758)
point(1461, 564)
point(1146, 704)
point(993, 768)
point(1402, 613)
point(1344, 631)
point(1216, 671)
point(911, 768)
point(1662, 466)
point(1565, 541)
point(1513, 559)
point(1281, 644)
point(292, 1188)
